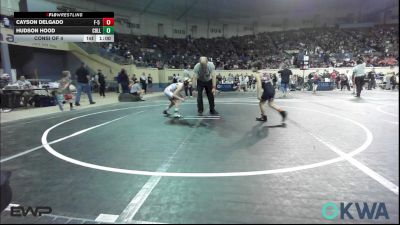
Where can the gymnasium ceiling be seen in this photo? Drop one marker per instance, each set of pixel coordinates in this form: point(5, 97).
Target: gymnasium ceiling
point(248, 10)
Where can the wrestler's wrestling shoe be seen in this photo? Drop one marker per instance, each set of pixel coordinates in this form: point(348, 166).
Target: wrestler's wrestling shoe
point(177, 115)
point(284, 115)
point(263, 118)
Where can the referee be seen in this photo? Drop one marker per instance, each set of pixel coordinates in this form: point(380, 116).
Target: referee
point(359, 75)
point(204, 77)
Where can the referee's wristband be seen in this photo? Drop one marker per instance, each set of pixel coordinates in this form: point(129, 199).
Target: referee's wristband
point(213, 87)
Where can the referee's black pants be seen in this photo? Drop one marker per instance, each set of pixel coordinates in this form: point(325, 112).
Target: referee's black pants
point(207, 85)
point(359, 84)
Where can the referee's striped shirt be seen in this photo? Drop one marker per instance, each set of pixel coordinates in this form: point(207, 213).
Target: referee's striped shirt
point(359, 70)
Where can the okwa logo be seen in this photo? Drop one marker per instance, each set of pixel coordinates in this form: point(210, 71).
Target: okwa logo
point(364, 210)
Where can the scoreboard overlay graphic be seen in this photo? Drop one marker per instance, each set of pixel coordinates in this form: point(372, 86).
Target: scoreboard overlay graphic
point(64, 26)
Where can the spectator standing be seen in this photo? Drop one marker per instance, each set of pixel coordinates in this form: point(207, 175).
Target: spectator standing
point(391, 79)
point(188, 85)
point(5, 97)
point(242, 83)
point(101, 79)
point(119, 89)
point(344, 82)
point(285, 79)
point(143, 82)
point(124, 81)
point(315, 78)
point(334, 74)
point(150, 82)
point(248, 78)
point(94, 86)
point(350, 77)
point(253, 82)
point(82, 76)
point(274, 80)
point(338, 80)
point(174, 79)
point(371, 79)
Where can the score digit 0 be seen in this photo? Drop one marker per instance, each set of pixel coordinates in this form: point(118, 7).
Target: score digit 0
point(108, 30)
point(108, 21)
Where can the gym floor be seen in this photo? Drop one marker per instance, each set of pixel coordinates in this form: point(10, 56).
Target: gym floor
point(127, 163)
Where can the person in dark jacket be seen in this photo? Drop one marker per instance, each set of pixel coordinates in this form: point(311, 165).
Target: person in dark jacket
point(174, 79)
point(6, 97)
point(124, 81)
point(371, 79)
point(143, 82)
point(274, 80)
point(286, 73)
point(102, 83)
point(150, 82)
point(337, 81)
point(344, 82)
point(82, 77)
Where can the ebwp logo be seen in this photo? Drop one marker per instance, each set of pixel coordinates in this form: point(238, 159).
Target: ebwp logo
point(38, 211)
point(364, 210)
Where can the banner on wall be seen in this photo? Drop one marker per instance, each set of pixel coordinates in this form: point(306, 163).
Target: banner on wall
point(296, 51)
point(147, 50)
point(7, 36)
point(227, 87)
